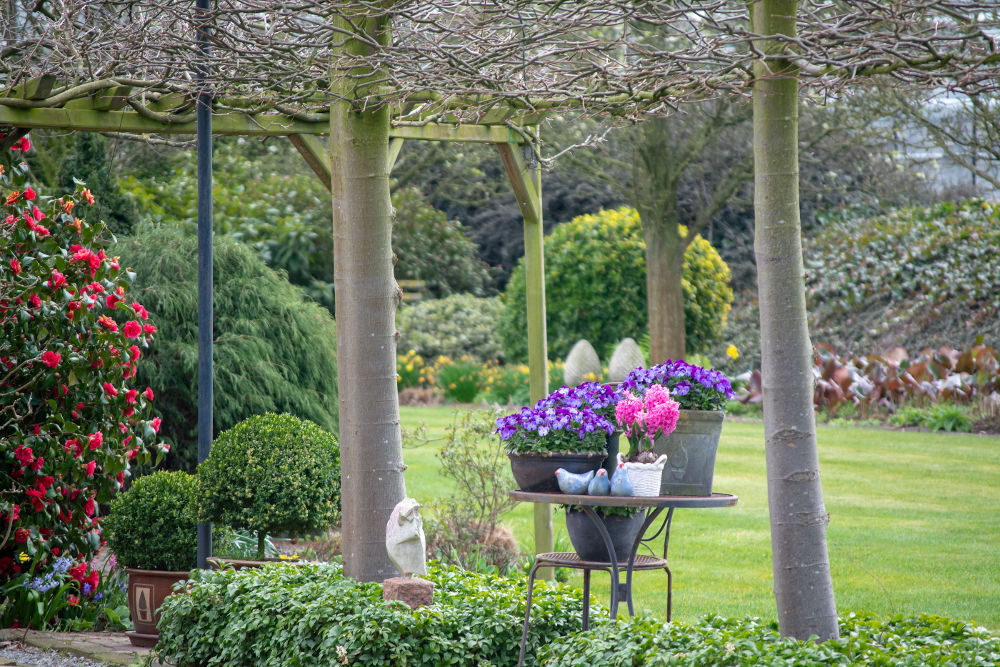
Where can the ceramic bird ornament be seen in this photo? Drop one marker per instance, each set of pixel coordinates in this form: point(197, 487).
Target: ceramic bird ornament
point(573, 483)
point(600, 485)
point(621, 485)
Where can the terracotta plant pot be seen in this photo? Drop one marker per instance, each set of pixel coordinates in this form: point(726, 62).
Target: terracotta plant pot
point(146, 591)
point(536, 472)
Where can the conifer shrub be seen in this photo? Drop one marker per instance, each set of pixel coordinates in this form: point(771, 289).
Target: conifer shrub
point(272, 473)
point(595, 288)
point(274, 349)
point(74, 418)
point(154, 525)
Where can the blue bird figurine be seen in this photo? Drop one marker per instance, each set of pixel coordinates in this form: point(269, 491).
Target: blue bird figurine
point(621, 485)
point(573, 483)
point(600, 485)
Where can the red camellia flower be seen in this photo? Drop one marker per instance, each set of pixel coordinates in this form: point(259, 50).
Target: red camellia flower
point(148, 393)
point(91, 465)
point(73, 447)
point(133, 352)
point(21, 535)
point(51, 359)
point(29, 194)
point(15, 266)
point(24, 145)
point(155, 424)
point(37, 213)
point(132, 329)
point(35, 301)
point(24, 455)
point(131, 395)
point(12, 197)
point(87, 196)
point(78, 572)
point(107, 323)
point(112, 301)
point(140, 310)
point(88, 507)
point(57, 280)
point(109, 389)
point(95, 440)
point(149, 328)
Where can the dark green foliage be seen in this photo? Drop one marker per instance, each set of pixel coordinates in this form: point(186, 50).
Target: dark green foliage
point(272, 473)
point(154, 525)
point(89, 162)
point(940, 417)
point(274, 350)
point(457, 325)
point(310, 614)
point(920, 641)
point(459, 379)
point(435, 249)
point(595, 288)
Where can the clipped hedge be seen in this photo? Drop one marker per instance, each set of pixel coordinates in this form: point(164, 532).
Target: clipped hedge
point(919, 641)
point(154, 525)
point(455, 326)
point(595, 288)
point(310, 614)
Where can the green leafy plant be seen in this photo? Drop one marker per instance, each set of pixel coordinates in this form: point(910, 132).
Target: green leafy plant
point(595, 288)
point(274, 350)
point(74, 419)
point(721, 642)
point(505, 383)
point(455, 326)
point(412, 371)
point(154, 525)
point(940, 417)
point(311, 614)
point(459, 379)
point(272, 473)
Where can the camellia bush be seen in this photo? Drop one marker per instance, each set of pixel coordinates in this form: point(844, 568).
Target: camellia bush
point(595, 288)
point(73, 419)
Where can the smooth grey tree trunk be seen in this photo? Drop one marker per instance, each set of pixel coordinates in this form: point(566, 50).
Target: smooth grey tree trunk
point(803, 587)
point(371, 455)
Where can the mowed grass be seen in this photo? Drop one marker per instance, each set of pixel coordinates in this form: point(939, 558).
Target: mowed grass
point(914, 524)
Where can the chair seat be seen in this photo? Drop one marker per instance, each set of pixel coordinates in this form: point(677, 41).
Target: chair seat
point(571, 560)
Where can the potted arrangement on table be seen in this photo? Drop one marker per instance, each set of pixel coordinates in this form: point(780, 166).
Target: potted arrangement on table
point(152, 529)
point(271, 473)
point(701, 395)
point(540, 439)
point(644, 419)
point(598, 398)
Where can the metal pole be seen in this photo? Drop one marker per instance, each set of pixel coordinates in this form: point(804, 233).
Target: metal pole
point(205, 276)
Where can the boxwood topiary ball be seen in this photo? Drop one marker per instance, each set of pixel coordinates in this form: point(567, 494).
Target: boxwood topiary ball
point(154, 525)
point(272, 473)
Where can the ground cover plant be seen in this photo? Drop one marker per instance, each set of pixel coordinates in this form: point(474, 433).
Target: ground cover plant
point(718, 642)
point(310, 614)
point(74, 419)
point(897, 501)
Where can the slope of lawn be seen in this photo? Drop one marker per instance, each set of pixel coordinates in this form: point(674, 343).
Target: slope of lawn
point(914, 524)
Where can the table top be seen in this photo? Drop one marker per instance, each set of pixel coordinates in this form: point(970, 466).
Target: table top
point(714, 500)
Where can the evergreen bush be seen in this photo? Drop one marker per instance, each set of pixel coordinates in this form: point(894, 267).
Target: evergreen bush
point(274, 349)
point(595, 288)
point(154, 525)
point(74, 419)
point(272, 473)
point(455, 326)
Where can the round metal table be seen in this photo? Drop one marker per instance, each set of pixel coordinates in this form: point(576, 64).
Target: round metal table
point(654, 507)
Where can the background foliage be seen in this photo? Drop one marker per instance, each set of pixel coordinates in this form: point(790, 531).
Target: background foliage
point(595, 288)
point(457, 325)
point(274, 350)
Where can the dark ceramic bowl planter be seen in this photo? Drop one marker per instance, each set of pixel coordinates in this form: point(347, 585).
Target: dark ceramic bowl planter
point(536, 471)
point(587, 540)
point(147, 589)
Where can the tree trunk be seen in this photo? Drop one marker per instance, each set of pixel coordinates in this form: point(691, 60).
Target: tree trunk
point(371, 455)
point(803, 587)
point(664, 288)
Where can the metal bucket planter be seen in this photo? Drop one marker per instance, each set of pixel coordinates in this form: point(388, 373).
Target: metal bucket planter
point(536, 471)
point(690, 451)
point(146, 591)
point(587, 540)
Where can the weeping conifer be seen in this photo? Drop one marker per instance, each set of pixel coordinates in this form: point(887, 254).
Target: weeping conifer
point(275, 351)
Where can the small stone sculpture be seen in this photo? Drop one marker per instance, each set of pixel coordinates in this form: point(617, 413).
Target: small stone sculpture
point(404, 538)
point(573, 483)
point(626, 358)
point(600, 485)
point(621, 485)
point(582, 364)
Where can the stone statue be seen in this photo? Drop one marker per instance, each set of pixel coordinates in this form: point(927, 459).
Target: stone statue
point(404, 538)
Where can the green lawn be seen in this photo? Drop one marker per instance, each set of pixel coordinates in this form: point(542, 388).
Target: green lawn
point(914, 524)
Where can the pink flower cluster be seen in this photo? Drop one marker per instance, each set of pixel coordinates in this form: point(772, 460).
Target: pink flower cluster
point(650, 416)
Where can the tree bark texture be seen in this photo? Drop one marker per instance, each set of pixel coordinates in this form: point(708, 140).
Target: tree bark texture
point(803, 586)
point(370, 440)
